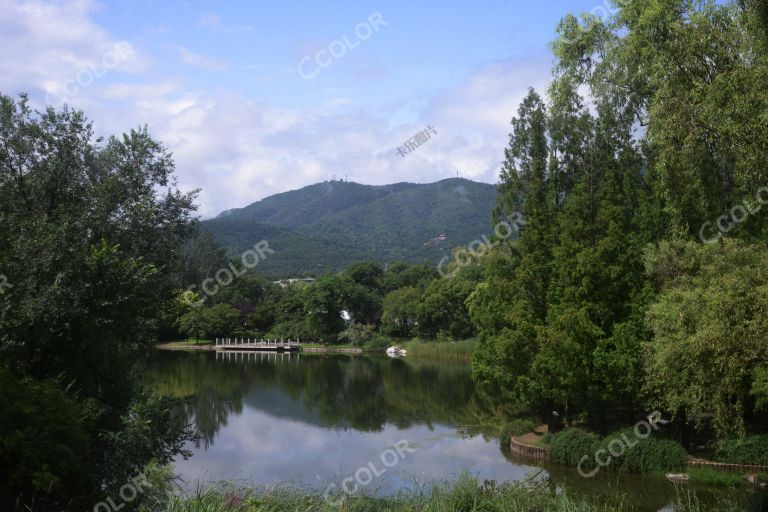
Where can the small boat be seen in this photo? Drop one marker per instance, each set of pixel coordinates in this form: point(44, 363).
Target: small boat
point(395, 351)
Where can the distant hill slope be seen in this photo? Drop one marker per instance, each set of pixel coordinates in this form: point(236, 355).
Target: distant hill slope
point(326, 226)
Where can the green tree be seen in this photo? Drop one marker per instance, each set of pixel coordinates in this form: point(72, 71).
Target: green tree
point(554, 299)
point(367, 274)
point(92, 237)
point(205, 323)
point(401, 275)
point(512, 301)
point(324, 302)
point(694, 74)
point(401, 312)
point(172, 310)
point(221, 320)
point(194, 323)
point(443, 310)
point(203, 257)
point(709, 350)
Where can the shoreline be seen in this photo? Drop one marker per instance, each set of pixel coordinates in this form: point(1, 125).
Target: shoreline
point(332, 350)
point(181, 345)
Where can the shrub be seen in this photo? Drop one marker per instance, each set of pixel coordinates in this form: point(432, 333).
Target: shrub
point(622, 451)
point(361, 335)
point(641, 455)
point(379, 342)
point(653, 455)
point(295, 328)
point(44, 438)
point(161, 484)
point(517, 427)
point(603, 451)
point(748, 450)
point(356, 334)
point(569, 446)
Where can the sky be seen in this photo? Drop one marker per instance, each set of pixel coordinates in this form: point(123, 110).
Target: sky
point(255, 98)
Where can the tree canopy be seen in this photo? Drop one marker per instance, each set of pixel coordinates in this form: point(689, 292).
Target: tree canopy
point(652, 126)
point(92, 237)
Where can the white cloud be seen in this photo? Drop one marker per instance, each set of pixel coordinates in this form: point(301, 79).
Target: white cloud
point(201, 61)
point(56, 48)
point(133, 91)
point(212, 20)
point(239, 150)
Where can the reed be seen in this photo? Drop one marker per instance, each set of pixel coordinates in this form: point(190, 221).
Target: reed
point(441, 350)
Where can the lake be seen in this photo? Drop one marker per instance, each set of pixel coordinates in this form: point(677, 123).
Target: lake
point(372, 424)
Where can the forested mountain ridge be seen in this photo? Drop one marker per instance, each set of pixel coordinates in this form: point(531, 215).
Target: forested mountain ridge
point(326, 226)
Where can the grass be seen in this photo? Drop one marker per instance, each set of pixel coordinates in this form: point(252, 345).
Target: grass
point(191, 342)
point(714, 477)
point(440, 350)
point(465, 495)
point(330, 347)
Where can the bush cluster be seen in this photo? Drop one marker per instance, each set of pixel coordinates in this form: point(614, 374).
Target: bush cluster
point(643, 455)
point(365, 336)
point(569, 446)
point(620, 451)
point(752, 449)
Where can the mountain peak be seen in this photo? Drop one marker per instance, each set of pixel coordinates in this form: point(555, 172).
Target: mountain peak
point(328, 225)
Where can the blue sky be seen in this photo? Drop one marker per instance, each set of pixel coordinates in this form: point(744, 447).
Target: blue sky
point(224, 84)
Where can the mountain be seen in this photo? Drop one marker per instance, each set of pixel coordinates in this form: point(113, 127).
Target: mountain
point(326, 226)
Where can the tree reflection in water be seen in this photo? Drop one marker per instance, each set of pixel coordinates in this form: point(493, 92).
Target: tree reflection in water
point(336, 391)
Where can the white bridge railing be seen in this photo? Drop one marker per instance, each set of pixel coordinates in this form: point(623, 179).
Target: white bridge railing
point(256, 343)
point(238, 356)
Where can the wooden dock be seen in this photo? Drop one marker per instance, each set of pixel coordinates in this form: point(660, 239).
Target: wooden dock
point(280, 345)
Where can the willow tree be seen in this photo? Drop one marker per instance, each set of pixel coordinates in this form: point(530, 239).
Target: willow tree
point(708, 360)
point(694, 75)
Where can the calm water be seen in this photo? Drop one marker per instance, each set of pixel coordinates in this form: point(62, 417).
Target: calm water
point(315, 419)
